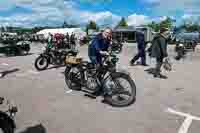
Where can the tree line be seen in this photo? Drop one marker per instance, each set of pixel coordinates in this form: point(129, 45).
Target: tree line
point(168, 23)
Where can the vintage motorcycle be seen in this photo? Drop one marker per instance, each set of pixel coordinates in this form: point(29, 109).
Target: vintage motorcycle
point(82, 75)
point(7, 123)
point(52, 56)
point(180, 50)
point(116, 46)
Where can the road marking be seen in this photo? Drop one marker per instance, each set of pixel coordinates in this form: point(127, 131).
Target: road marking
point(4, 64)
point(187, 122)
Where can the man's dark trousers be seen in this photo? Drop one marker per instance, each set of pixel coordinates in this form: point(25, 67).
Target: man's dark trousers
point(141, 54)
point(159, 62)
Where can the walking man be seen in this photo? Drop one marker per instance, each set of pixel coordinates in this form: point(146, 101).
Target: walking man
point(159, 50)
point(141, 49)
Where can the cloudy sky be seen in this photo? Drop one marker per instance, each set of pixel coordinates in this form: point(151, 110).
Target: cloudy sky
point(105, 12)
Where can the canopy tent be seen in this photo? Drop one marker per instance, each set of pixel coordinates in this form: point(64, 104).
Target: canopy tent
point(80, 33)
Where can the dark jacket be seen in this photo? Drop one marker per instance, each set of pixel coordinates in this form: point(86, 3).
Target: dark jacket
point(140, 39)
point(98, 44)
point(159, 47)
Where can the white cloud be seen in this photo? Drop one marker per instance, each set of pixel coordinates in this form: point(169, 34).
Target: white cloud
point(137, 20)
point(169, 7)
point(189, 18)
point(54, 12)
point(101, 18)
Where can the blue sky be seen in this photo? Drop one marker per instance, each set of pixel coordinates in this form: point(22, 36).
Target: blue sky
point(104, 12)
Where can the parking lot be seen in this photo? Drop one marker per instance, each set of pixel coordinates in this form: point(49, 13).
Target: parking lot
point(43, 98)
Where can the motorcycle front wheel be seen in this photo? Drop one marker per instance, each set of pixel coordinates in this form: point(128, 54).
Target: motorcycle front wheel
point(41, 63)
point(121, 96)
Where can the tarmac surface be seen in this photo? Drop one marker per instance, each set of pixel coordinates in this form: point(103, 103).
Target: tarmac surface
point(46, 105)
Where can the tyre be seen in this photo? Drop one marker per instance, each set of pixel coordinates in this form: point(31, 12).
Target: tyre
point(6, 125)
point(72, 74)
point(6, 128)
point(117, 99)
point(41, 63)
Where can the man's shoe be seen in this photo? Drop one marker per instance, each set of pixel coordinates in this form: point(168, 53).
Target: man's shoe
point(132, 64)
point(163, 76)
point(160, 76)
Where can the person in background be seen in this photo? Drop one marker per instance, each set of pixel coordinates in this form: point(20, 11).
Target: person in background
point(73, 41)
point(159, 50)
point(67, 40)
point(141, 45)
point(50, 41)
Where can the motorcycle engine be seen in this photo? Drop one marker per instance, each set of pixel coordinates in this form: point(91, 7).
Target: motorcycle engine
point(91, 81)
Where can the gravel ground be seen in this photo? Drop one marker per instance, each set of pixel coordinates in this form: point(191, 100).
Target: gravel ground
point(47, 106)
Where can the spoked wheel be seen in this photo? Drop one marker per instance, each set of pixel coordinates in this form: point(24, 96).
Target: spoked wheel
point(41, 63)
point(123, 90)
point(6, 127)
point(72, 77)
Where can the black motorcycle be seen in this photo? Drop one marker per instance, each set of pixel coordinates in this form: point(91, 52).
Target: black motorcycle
point(116, 46)
point(86, 76)
point(7, 123)
point(52, 56)
point(180, 50)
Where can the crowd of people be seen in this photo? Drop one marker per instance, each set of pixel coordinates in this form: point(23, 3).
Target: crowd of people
point(100, 44)
point(62, 41)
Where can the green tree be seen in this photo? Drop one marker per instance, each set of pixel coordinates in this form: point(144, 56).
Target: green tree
point(92, 25)
point(122, 23)
point(167, 23)
point(155, 26)
point(65, 25)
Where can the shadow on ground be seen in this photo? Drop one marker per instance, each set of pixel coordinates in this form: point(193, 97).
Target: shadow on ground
point(4, 73)
point(7, 56)
point(35, 129)
point(56, 66)
point(151, 71)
